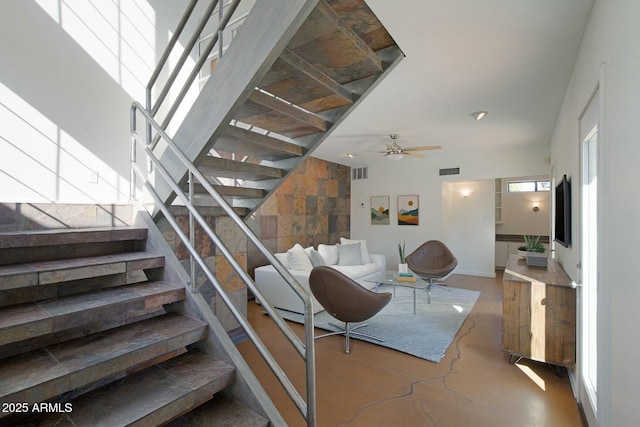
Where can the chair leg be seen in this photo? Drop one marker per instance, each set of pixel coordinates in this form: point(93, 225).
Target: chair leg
point(348, 331)
point(439, 285)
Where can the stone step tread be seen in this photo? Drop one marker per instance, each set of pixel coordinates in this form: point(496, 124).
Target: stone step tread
point(43, 374)
point(221, 412)
point(30, 320)
point(149, 397)
point(257, 145)
point(66, 236)
point(208, 211)
point(156, 394)
point(227, 168)
point(45, 272)
point(275, 115)
point(290, 73)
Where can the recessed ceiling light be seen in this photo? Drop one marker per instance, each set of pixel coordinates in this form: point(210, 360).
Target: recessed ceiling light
point(350, 155)
point(479, 115)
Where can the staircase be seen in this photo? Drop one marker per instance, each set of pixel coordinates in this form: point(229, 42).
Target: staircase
point(293, 72)
point(89, 335)
point(260, 114)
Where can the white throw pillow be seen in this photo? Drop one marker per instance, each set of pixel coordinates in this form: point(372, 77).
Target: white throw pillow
point(349, 254)
point(282, 257)
point(298, 260)
point(364, 253)
point(316, 259)
point(329, 253)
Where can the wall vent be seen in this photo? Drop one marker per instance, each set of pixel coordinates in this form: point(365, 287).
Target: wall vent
point(359, 173)
point(450, 171)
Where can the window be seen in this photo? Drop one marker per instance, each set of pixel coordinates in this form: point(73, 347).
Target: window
point(526, 186)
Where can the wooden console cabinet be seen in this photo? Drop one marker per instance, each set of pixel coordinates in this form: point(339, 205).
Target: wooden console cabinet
point(538, 313)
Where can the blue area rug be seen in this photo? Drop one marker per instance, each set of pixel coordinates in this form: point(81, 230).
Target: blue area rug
point(426, 335)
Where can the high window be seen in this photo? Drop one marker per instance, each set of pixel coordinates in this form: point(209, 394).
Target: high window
point(528, 186)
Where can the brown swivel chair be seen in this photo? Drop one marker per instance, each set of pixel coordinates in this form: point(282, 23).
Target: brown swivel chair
point(345, 300)
point(432, 260)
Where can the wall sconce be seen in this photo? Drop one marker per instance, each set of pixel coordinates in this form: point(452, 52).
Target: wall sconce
point(536, 208)
point(465, 193)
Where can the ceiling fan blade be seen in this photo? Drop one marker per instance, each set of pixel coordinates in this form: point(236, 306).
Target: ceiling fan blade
point(370, 152)
point(411, 154)
point(423, 148)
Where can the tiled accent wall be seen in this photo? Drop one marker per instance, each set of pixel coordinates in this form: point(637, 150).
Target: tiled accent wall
point(311, 206)
point(236, 243)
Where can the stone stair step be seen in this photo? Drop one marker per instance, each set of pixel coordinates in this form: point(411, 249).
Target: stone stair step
point(364, 22)
point(27, 321)
point(230, 192)
point(66, 236)
point(270, 113)
point(294, 79)
point(327, 42)
point(212, 211)
point(226, 168)
point(48, 272)
point(20, 295)
point(155, 395)
point(43, 245)
point(151, 397)
point(252, 144)
point(221, 412)
point(49, 372)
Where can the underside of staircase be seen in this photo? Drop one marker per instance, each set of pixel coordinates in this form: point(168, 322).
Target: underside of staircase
point(299, 68)
point(93, 330)
point(89, 335)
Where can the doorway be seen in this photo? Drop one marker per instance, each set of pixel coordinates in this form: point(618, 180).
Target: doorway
point(589, 261)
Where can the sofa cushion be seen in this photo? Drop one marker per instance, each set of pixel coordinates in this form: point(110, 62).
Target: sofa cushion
point(364, 252)
point(282, 257)
point(329, 253)
point(316, 259)
point(357, 271)
point(297, 259)
point(349, 255)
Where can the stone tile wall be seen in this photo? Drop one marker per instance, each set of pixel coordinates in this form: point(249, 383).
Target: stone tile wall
point(236, 243)
point(311, 206)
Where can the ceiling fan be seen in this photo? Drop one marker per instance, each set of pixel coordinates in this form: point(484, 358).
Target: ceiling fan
point(395, 152)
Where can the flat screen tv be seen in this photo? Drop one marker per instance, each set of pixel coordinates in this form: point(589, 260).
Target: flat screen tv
point(562, 233)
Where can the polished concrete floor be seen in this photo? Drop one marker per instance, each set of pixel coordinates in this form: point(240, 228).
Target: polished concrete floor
point(473, 385)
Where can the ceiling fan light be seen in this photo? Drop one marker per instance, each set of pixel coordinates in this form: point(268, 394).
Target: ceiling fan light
point(394, 156)
point(479, 115)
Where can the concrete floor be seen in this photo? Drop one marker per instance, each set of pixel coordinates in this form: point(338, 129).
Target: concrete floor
point(473, 385)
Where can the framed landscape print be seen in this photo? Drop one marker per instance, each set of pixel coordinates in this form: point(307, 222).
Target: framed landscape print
point(380, 210)
point(408, 210)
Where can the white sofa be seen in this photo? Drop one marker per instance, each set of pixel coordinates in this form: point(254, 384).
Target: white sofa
point(280, 295)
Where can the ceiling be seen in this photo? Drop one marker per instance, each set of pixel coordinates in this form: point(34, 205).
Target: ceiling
point(512, 58)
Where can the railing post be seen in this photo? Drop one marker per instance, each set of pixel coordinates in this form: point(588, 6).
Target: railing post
point(132, 153)
point(192, 238)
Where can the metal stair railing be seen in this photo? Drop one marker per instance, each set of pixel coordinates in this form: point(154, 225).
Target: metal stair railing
point(305, 349)
point(153, 108)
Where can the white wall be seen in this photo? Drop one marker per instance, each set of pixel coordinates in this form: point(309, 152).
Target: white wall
point(67, 80)
point(468, 220)
point(612, 39)
point(420, 177)
point(518, 216)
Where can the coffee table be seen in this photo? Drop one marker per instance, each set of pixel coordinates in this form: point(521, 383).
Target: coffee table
point(391, 278)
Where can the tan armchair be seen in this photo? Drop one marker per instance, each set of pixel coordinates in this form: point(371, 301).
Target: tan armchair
point(432, 260)
point(345, 300)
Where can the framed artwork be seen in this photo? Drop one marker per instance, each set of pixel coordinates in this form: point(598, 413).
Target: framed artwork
point(380, 210)
point(408, 210)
